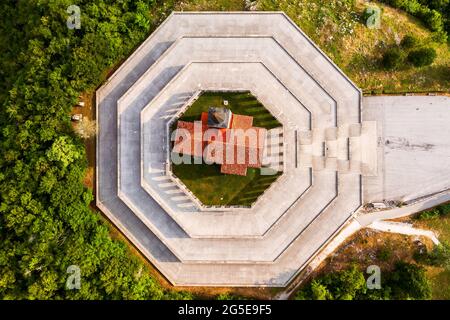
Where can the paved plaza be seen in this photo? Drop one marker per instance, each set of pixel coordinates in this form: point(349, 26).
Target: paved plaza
point(331, 153)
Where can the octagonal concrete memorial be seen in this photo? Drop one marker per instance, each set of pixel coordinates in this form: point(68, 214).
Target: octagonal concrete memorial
point(322, 148)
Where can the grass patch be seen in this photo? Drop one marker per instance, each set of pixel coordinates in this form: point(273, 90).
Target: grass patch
point(214, 188)
point(438, 220)
point(243, 103)
point(340, 31)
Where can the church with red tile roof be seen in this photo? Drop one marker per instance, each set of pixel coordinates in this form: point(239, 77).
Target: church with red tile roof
point(224, 138)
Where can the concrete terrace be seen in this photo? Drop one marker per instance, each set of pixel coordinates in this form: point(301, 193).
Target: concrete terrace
point(254, 77)
point(329, 149)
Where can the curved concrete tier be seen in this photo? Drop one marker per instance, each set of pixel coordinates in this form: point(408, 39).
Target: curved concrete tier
point(184, 247)
point(154, 179)
point(234, 48)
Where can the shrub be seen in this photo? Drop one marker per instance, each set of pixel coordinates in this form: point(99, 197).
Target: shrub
point(440, 256)
point(440, 36)
point(384, 254)
point(86, 129)
point(392, 58)
point(408, 281)
point(434, 14)
point(409, 41)
point(371, 17)
point(45, 222)
point(422, 57)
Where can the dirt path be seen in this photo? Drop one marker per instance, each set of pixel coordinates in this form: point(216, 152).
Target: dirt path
point(403, 228)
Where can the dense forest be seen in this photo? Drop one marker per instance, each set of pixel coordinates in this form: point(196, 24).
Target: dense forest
point(46, 224)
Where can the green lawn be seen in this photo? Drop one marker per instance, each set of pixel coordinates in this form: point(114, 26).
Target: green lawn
point(214, 188)
point(238, 102)
point(206, 181)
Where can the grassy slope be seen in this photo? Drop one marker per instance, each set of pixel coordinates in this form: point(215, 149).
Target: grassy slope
point(364, 48)
point(440, 279)
point(351, 52)
point(239, 103)
point(337, 28)
point(209, 185)
point(215, 188)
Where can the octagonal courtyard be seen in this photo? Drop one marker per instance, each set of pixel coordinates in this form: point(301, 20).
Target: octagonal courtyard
point(317, 150)
point(207, 182)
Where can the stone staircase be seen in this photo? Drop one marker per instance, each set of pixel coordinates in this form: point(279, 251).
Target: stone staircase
point(273, 150)
point(349, 148)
